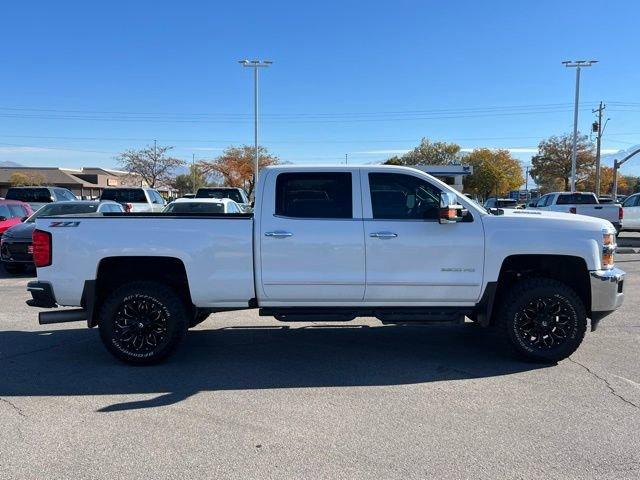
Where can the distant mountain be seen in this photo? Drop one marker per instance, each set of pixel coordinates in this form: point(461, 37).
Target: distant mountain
point(7, 163)
point(632, 167)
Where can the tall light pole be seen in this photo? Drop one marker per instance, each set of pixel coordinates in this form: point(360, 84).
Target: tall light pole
point(255, 64)
point(578, 65)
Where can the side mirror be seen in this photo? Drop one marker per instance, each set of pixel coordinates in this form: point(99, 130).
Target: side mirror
point(450, 211)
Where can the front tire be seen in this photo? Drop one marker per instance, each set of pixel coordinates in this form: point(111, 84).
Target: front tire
point(142, 323)
point(542, 320)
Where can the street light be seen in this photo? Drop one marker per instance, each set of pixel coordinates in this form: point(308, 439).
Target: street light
point(577, 64)
point(255, 64)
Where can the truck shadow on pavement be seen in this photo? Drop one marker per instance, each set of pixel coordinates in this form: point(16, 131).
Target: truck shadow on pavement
point(74, 362)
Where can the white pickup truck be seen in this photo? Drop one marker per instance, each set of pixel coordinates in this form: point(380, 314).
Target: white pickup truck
point(332, 244)
point(581, 203)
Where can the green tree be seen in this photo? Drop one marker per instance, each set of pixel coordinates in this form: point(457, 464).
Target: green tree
point(551, 167)
point(495, 172)
point(190, 182)
point(429, 153)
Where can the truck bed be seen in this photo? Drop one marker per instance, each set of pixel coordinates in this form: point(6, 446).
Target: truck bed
point(218, 249)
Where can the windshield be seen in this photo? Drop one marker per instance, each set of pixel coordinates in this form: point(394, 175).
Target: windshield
point(195, 207)
point(232, 193)
point(577, 199)
point(31, 195)
point(124, 195)
point(63, 209)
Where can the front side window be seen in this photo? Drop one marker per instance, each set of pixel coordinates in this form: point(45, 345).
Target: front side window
point(403, 197)
point(543, 201)
point(631, 201)
point(314, 195)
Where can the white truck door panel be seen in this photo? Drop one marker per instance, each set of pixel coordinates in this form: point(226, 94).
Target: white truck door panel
point(417, 260)
point(631, 218)
point(311, 238)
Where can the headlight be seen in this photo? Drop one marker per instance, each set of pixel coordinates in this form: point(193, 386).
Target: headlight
point(608, 249)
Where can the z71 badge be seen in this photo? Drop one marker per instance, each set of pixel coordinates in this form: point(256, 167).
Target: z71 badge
point(64, 224)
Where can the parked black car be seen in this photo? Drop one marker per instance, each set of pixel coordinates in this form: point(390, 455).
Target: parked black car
point(16, 250)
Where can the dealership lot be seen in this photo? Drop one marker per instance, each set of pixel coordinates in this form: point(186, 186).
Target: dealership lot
point(249, 397)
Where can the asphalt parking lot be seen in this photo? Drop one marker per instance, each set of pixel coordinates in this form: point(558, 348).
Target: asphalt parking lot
point(248, 397)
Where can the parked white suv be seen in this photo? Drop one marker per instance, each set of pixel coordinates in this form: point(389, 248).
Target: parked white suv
point(135, 199)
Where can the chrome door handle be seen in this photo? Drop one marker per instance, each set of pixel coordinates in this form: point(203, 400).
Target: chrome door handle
point(383, 235)
point(278, 234)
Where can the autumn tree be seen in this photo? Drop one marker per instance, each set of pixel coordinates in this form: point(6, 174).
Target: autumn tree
point(551, 167)
point(606, 182)
point(191, 181)
point(23, 179)
point(152, 164)
point(495, 172)
point(236, 164)
point(429, 153)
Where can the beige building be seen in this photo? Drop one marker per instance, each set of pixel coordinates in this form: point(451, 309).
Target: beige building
point(87, 182)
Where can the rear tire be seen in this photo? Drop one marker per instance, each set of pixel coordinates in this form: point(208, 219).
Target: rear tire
point(142, 323)
point(542, 320)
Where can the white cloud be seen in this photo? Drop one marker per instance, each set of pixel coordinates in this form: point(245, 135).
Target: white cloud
point(15, 149)
point(379, 152)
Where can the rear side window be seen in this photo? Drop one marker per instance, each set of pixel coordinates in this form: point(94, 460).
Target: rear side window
point(124, 195)
point(63, 194)
point(34, 195)
point(314, 195)
point(577, 199)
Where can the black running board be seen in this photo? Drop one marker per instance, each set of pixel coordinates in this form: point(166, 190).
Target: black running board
point(387, 315)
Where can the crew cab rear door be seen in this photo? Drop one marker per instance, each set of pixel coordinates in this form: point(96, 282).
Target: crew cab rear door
point(311, 244)
point(412, 259)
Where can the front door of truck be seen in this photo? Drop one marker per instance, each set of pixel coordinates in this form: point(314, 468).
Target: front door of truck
point(311, 237)
point(410, 257)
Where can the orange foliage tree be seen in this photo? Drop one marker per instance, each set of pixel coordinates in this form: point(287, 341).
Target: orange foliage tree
point(235, 166)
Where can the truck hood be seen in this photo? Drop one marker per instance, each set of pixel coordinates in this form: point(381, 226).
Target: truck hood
point(554, 220)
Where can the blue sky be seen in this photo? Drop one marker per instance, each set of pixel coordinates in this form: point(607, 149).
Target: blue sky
point(80, 82)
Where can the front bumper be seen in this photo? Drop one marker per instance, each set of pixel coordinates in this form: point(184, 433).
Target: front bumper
point(607, 292)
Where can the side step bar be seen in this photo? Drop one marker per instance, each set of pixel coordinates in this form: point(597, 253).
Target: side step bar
point(76, 315)
point(387, 315)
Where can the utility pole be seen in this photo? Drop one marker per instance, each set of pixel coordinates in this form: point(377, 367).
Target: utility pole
point(599, 130)
point(578, 65)
point(255, 64)
point(193, 172)
point(346, 159)
point(526, 179)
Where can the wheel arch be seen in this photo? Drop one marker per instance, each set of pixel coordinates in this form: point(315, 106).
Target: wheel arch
point(113, 272)
point(568, 269)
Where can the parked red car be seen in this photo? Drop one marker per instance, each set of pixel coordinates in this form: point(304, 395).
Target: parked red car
point(12, 212)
